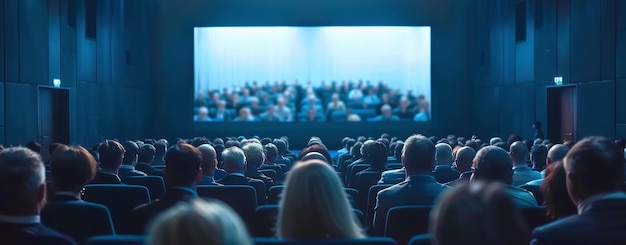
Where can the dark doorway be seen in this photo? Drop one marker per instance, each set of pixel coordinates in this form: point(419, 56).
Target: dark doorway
point(54, 117)
point(561, 113)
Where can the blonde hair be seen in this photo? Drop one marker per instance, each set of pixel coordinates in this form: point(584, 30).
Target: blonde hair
point(314, 205)
point(203, 222)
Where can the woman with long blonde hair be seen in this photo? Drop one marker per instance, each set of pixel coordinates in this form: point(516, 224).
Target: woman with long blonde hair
point(314, 205)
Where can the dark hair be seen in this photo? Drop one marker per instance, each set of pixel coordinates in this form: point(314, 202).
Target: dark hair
point(377, 155)
point(271, 152)
point(146, 153)
point(110, 151)
point(131, 151)
point(598, 163)
point(514, 138)
point(537, 124)
point(34, 146)
point(419, 153)
point(182, 164)
point(72, 167)
point(266, 141)
point(53, 147)
point(355, 150)
point(538, 155)
point(218, 151)
point(315, 148)
point(397, 153)
point(218, 141)
point(491, 164)
point(160, 148)
point(280, 144)
point(344, 141)
point(502, 145)
point(554, 189)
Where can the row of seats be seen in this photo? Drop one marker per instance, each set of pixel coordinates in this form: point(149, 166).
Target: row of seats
point(140, 240)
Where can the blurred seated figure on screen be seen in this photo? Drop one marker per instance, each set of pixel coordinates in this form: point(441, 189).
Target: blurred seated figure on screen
point(554, 189)
point(315, 206)
point(371, 99)
point(312, 115)
point(127, 169)
point(283, 111)
point(221, 113)
point(386, 115)
point(423, 107)
point(335, 104)
point(111, 156)
point(22, 196)
point(594, 170)
point(182, 172)
point(403, 111)
point(255, 108)
point(493, 164)
point(72, 167)
point(477, 214)
point(269, 115)
point(353, 117)
point(199, 222)
point(203, 115)
point(245, 115)
point(234, 102)
point(209, 164)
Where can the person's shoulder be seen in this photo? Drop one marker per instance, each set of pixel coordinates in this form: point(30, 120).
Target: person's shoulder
point(47, 235)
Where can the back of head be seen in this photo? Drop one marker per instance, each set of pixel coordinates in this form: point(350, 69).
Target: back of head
point(492, 164)
point(132, 151)
point(554, 189)
point(22, 176)
point(397, 153)
point(364, 150)
point(495, 140)
point(280, 144)
point(444, 154)
point(111, 154)
point(315, 206)
point(53, 147)
point(502, 145)
point(514, 138)
point(557, 153)
point(182, 165)
point(538, 155)
point(594, 165)
point(198, 223)
point(254, 155)
point(356, 149)
point(321, 149)
point(271, 152)
point(418, 154)
point(72, 167)
point(209, 159)
point(160, 148)
point(478, 214)
point(234, 160)
point(464, 157)
point(377, 155)
point(519, 152)
point(34, 146)
point(146, 153)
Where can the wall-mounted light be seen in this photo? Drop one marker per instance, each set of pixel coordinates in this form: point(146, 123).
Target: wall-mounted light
point(56, 83)
point(558, 80)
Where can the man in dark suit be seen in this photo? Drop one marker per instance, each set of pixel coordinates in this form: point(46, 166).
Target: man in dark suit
point(209, 164)
point(419, 188)
point(22, 196)
point(443, 171)
point(221, 114)
point(72, 167)
point(255, 156)
point(111, 155)
point(377, 153)
point(160, 148)
point(234, 161)
point(144, 158)
point(182, 172)
point(282, 148)
point(271, 153)
point(594, 168)
point(363, 160)
point(463, 163)
point(127, 169)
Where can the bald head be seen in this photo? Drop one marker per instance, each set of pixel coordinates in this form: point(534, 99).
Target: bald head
point(556, 153)
point(209, 159)
point(443, 154)
point(492, 164)
point(519, 152)
point(495, 140)
point(464, 157)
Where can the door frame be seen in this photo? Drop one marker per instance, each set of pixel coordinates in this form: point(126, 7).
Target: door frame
point(575, 109)
point(39, 117)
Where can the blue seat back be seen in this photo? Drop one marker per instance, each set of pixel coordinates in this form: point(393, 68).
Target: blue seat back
point(362, 241)
point(117, 240)
point(404, 222)
point(77, 219)
point(119, 199)
point(155, 184)
point(242, 198)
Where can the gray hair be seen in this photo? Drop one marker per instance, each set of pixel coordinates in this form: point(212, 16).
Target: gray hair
point(233, 156)
point(21, 175)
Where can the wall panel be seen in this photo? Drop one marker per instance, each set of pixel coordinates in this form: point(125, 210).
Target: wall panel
point(620, 101)
point(2, 105)
point(33, 38)
point(585, 39)
point(11, 41)
point(620, 54)
point(596, 109)
point(21, 121)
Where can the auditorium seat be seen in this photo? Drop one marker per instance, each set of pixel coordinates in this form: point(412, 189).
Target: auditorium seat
point(242, 198)
point(404, 222)
point(117, 240)
point(371, 203)
point(278, 169)
point(119, 199)
point(265, 218)
point(77, 219)
point(422, 239)
point(155, 184)
point(535, 216)
point(352, 171)
point(363, 241)
point(391, 166)
point(273, 195)
point(269, 173)
point(338, 116)
point(364, 182)
point(536, 192)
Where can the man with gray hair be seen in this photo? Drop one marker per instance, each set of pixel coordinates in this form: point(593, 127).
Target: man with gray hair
point(255, 156)
point(234, 162)
point(22, 196)
point(443, 171)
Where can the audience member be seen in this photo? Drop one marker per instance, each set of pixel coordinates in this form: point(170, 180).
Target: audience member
point(396, 175)
point(255, 157)
point(316, 147)
point(594, 169)
point(72, 167)
point(378, 160)
point(478, 214)
point(315, 206)
point(555, 154)
point(111, 155)
point(198, 222)
point(160, 148)
point(538, 131)
point(131, 156)
point(493, 164)
point(522, 173)
point(554, 189)
point(443, 171)
point(419, 188)
point(234, 161)
point(34, 146)
point(463, 163)
point(51, 149)
point(494, 140)
point(363, 160)
point(538, 156)
point(22, 196)
point(144, 158)
point(182, 172)
point(209, 164)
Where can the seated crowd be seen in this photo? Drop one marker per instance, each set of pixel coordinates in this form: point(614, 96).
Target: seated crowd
point(514, 192)
point(337, 101)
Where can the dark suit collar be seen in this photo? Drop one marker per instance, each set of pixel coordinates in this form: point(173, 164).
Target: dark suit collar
point(421, 178)
point(61, 197)
point(179, 192)
point(605, 204)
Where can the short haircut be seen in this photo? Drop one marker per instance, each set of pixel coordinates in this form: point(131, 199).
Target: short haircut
point(53, 147)
point(444, 153)
point(492, 164)
point(538, 154)
point(131, 151)
point(72, 167)
point(315, 148)
point(356, 149)
point(598, 163)
point(198, 222)
point(271, 152)
point(557, 152)
point(234, 159)
point(146, 153)
point(418, 153)
point(110, 152)
point(160, 148)
point(377, 155)
point(397, 153)
point(254, 154)
point(209, 157)
point(281, 145)
point(519, 151)
point(21, 175)
point(182, 163)
point(34, 146)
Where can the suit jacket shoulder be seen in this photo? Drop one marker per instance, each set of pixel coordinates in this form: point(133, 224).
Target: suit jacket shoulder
point(17, 234)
